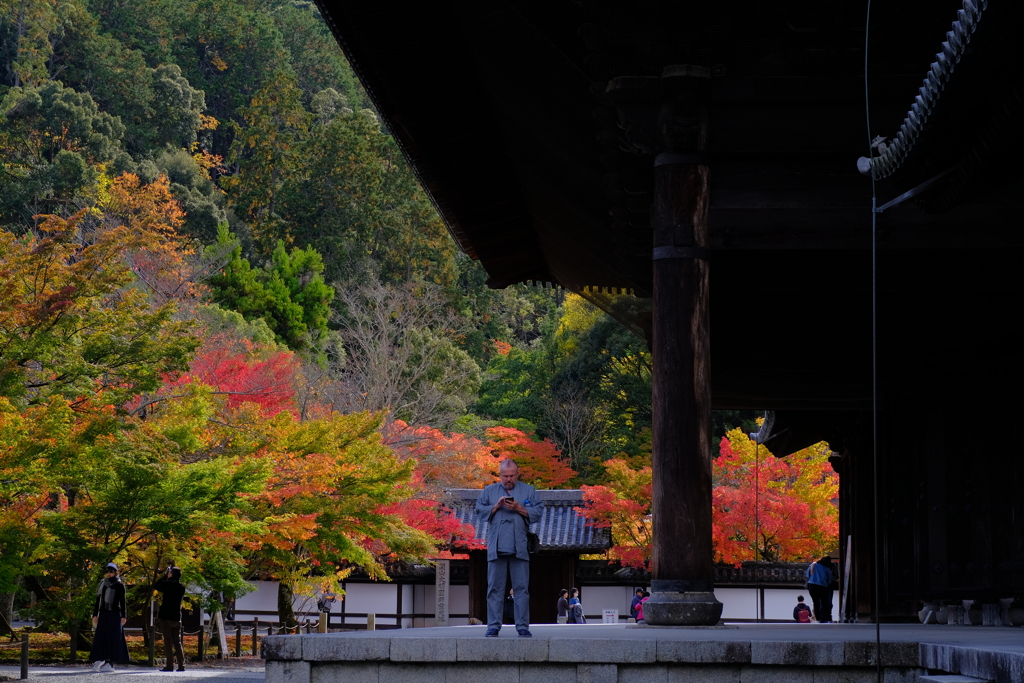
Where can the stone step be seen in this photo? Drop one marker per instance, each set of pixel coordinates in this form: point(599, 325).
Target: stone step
point(952, 678)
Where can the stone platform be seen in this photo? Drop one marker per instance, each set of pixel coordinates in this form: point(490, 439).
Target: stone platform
point(617, 653)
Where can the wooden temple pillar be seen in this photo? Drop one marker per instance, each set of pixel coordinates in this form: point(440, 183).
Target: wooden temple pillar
point(682, 586)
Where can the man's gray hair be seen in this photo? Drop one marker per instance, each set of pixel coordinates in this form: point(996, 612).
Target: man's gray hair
point(506, 463)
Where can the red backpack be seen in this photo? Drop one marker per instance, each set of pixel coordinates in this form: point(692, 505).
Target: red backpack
point(804, 616)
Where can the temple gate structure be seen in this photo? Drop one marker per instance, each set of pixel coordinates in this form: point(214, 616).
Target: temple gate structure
point(707, 174)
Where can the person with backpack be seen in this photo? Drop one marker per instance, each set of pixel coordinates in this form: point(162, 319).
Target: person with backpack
point(801, 613)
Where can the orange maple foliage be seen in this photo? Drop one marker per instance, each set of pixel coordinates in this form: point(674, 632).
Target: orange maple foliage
point(332, 494)
point(540, 462)
point(162, 264)
point(139, 206)
point(444, 461)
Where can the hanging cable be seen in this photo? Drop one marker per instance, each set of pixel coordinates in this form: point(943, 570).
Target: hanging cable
point(874, 358)
point(758, 612)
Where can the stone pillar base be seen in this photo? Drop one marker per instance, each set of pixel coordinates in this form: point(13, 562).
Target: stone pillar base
point(667, 607)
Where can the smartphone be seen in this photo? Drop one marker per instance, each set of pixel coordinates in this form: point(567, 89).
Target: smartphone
point(510, 499)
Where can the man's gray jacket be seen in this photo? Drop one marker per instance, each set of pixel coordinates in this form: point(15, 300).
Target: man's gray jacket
point(525, 495)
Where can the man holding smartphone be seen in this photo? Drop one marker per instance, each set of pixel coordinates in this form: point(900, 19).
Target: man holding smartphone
point(511, 507)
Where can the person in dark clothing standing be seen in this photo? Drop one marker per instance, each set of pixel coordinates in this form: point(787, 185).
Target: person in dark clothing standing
point(169, 617)
point(562, 606)
point(108, 618)
point(819, 584)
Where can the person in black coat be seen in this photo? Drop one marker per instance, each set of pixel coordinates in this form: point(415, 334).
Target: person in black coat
point(169, 617)
point(562, 606)
point(108, 618)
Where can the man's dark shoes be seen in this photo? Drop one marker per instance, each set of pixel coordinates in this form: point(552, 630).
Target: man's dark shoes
point(181, 668)
point(491, 633)
point(167, 668)
point(525, 634)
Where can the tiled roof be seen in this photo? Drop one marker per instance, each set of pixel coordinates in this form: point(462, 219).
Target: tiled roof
point(560, 526)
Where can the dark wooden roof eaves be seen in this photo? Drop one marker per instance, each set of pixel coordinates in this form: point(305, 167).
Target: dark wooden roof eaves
point(555, 198)
point(560, 527)
point(437, 110)
point(492, 106)
point(972, 125)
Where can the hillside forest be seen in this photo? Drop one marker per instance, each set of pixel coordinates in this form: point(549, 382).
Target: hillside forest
point(235, 334)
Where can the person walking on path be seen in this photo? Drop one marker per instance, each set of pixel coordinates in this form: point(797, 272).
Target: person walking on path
point(108, 618)
point(510, 507)
point(563, 606)
point(819, 584)
point(169, 617)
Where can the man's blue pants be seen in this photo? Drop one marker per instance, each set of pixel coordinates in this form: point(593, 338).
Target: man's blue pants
point(497, 572)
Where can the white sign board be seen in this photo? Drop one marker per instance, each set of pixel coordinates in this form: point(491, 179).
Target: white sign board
point(441, 582)
point(611, 616)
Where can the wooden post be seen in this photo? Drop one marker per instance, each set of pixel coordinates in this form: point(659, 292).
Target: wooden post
point(73, 631)
point(343, 608)
point(201, 643)
point(151, 661)
point(238, 640)
point(24, 656)
point(846, 581)
point(398, 605)
point(255, 637)
point(682, 587)
point(222, 637)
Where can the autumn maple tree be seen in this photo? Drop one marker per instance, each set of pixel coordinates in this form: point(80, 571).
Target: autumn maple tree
point(765, 508)
point(132, 430)
point(623, 505)
point(444, 460)
point(540, 462)
point(330, 499)
point(772, 509)
point(243, 374)
point(66, 287)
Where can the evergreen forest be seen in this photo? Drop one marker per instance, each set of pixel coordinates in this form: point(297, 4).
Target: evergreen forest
point(235, 334)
